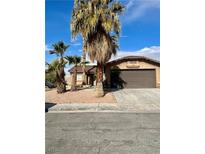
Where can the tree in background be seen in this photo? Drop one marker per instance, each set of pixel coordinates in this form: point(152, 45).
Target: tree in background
point(50, 79)
point(55, 69)
point(73, 60)
point(78, 27)
point(58, 65)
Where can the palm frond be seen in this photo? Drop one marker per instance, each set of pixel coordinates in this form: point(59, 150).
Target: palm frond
point(73, 59)
point(55, 65)
point(95, 20)
point(59, 48)
point(117, 7)
point(52, 52)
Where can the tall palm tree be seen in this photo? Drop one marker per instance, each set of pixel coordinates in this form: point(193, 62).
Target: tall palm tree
point(77, 26)
point(59, 50)
point(55, 68)
point(75, 60)
point(98, 19)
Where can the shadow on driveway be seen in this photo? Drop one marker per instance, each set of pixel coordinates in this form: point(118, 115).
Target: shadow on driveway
point(48, 105)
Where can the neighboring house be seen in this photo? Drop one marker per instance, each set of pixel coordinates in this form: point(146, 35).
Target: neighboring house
point(125, 72)
point(90, 74)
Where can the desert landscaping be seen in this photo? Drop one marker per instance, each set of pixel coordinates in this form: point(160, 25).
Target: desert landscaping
point(78, 96)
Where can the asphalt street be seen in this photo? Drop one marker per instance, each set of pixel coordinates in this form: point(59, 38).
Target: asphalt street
point(102, 133)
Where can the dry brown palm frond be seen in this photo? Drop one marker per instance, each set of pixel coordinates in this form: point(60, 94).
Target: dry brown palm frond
point(95, 20)
point(100, 47)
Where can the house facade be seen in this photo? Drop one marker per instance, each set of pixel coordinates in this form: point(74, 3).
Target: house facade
point(133, 72)
point(90, 75)
point(125, 72)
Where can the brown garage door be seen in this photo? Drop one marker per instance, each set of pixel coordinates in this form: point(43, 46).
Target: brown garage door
point(140, 78)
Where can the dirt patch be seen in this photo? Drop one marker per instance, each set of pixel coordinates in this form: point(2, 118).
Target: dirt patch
point(80, 96)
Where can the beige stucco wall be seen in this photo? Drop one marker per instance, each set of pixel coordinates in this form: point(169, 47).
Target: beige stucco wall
point(139, 65)
point(79, 79)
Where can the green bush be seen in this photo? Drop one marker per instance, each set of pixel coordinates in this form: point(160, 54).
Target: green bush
point(50, 77)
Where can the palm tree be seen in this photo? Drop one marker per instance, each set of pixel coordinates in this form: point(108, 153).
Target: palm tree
point(56, 68)
point(75, 60)
point(97, 20)
point(77, 26)
point(59, 49)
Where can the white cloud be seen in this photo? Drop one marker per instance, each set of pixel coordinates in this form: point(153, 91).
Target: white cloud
point(150, 52)
point(47, 47)
point(137, 8)
point(68, 67)
point(76, 43)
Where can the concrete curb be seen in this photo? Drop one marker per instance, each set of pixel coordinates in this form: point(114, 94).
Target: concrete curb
point(83, 107)
point(105, 111)
point(97, 107)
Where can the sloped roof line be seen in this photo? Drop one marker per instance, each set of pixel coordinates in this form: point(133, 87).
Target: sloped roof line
point(133, 58)
point(89, 68)
point(79, 68)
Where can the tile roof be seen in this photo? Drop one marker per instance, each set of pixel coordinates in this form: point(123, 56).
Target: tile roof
point(88, 69)
point(134, 58)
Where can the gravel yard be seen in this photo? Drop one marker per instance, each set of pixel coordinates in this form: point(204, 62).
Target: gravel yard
point(79, 96)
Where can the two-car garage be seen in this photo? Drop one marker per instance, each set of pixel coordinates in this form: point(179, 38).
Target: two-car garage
point(136, 78)
point(143, 73)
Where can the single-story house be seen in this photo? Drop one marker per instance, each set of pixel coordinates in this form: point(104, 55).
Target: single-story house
point(90, 74)
point(125, 72)
point(133, 72)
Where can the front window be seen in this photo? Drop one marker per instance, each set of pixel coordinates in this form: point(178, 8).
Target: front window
point(79, 77)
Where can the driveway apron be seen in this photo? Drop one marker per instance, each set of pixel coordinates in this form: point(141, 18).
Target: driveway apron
point(140, 100)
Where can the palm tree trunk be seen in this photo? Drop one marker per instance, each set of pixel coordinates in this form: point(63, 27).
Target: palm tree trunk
point(84, 60)
point(99, 86)
point(99, 72)
point(74, 79)
point(60, 77)
point(58, 83)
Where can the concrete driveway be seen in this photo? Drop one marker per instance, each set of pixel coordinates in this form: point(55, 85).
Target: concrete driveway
point(139, 100)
